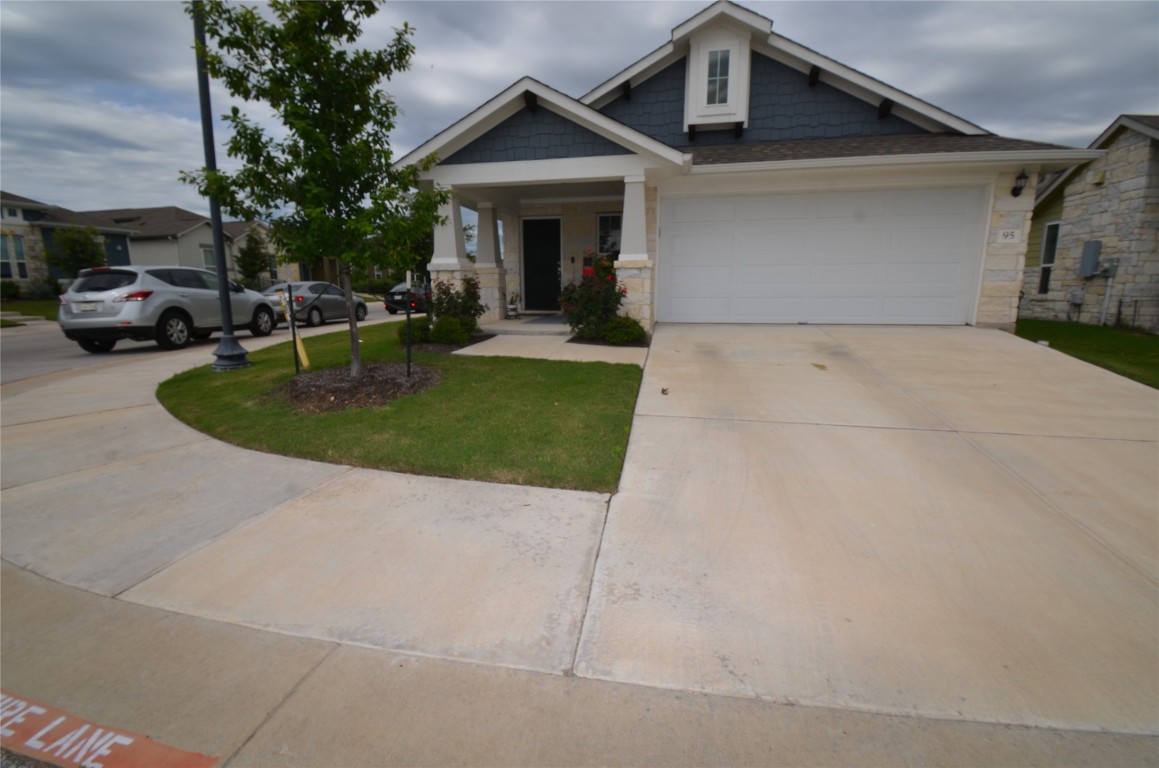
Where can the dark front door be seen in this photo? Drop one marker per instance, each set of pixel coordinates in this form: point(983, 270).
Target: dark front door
point(541, 254)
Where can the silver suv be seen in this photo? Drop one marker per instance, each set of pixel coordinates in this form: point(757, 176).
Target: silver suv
point(170, 305)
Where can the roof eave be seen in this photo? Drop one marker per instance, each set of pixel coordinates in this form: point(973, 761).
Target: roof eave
point(1045, 158)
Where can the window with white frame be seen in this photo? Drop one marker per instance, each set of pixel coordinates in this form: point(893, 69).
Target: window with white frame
point(1049, 251)
point(717, 77)
point(208, 259)
point(12, 263)
point(609, 237)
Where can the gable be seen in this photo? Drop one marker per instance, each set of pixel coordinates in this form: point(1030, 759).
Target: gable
point(538, 135)
point(782, 107)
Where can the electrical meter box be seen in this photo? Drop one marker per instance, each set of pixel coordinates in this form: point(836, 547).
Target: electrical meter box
point(1089, 264)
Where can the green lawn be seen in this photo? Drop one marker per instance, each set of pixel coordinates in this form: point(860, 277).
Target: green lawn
point(45, 308)
point(508, 420)
point(1133, 354)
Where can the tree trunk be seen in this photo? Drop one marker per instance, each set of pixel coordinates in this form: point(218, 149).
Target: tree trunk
point(355, 346)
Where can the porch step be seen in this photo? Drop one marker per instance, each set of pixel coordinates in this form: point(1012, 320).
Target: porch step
point(529, 325)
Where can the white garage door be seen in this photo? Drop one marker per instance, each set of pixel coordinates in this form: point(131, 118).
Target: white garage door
point(882, 256)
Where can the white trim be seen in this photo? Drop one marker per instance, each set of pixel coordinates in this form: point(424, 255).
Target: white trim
point(513, 173)
point(654, 62)
point(697, 110)
point(510, 101)
point(997, 158)
point(754, 21)
point(1123, 121)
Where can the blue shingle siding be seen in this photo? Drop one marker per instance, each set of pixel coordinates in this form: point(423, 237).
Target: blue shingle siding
point(539, 135)
point(782, 107)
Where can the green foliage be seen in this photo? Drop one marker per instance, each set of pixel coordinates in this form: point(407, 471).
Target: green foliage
point(9, 290)
point(592, 303)
point(420, 330)
point(463, 303)
point(76, 249)
point(325, 176)
point(1134, 354)
point(623, 331)
point(448, 330)
point(252, 260)
point(466, 427)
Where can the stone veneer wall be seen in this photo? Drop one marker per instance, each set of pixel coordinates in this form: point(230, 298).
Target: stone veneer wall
point(1002, 270)
point(1115, 200)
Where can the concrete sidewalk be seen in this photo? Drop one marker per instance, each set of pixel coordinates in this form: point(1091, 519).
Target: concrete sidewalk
point(273, 611)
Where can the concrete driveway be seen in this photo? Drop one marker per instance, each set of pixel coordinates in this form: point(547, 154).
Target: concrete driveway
point(946, 522)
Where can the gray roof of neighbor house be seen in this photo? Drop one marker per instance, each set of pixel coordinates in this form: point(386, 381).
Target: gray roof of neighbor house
point(861, 146)
point(24, 202)
point(55, 216)
point(150, 223)
point(1145, 124)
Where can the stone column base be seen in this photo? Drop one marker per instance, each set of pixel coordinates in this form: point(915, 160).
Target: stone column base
point(636, 276)
point(492, 292)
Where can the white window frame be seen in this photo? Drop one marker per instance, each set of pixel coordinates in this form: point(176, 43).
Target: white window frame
point(721, 58)
point(697, 110)
point(1045, 270)
point(599, 227)
point(14, 257)
point(208, 258)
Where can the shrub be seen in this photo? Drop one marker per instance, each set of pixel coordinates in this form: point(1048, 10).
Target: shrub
point(448, 330)
point(622, 331)
point(9, 290)
point(462, 304)
point(592, 303)
point(420, 330)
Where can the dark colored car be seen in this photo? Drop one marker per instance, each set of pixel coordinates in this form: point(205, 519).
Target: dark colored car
point(315, 302)
point(399, 297)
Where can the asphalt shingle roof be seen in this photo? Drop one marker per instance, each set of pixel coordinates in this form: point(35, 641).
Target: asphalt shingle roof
point(151, 222)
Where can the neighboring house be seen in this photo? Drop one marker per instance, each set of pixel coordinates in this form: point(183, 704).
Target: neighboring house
point(1109, 209)
point(174, 236)
point(27, 229)
point(736, 176)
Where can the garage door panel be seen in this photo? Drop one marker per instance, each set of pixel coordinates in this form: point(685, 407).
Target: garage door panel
point(885, 256)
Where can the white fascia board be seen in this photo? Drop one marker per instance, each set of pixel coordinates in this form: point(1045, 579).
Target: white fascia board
point(510, 101)
point(759, 24)
point(643, 69)
point(997, 159)
point(610, 129)
point(517, 172)
point(864, 84)
point(476, 123)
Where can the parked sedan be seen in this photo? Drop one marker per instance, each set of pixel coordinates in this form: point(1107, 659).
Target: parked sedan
point(399, 297)
point(169, 305)
point(315, 302)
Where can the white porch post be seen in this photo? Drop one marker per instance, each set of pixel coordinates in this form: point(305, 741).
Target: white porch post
point(633, 267)
point(450, 254)
point(489, 265)
point(633, 232)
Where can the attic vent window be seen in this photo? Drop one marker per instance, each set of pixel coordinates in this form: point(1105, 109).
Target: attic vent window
point(718, 77)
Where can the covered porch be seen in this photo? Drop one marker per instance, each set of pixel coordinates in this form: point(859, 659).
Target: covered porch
point(534, 237)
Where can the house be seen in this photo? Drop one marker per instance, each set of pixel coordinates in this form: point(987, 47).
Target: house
point(171, 235)
point(27, 229)
point(1093, 253)
point(736, 176)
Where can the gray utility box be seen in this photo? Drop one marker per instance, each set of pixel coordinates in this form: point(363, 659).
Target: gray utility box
point(1089, 265)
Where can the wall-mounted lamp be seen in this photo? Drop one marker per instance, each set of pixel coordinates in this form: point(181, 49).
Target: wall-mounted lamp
point(1019, 184)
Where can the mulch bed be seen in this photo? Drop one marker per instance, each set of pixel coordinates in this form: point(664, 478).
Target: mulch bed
point(599, 343)
point(334, 389)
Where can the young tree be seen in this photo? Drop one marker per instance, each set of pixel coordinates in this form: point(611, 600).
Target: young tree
point(326, 180)
point(75, 249)
point(252, 259)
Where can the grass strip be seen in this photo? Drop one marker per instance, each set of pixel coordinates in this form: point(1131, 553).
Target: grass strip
point(46, 308)
point(546, 423)
point(1130, 353)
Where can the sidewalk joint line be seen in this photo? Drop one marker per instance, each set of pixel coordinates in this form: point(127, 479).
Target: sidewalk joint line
point(278, 707)
point(570, 671)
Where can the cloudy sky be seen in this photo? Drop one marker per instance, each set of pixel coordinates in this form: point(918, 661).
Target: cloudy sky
point(99, 109)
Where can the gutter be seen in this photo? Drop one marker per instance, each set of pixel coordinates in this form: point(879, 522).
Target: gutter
point(1059, 158)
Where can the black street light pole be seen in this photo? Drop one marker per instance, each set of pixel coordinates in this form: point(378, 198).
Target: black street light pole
point(229, 353)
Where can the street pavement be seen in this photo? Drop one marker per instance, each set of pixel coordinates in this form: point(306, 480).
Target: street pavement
point(864, 569)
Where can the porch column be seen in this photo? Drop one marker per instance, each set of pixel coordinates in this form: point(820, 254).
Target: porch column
point(449, 261)
point(633, 267)
point(489, 265)
point(633, 232)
